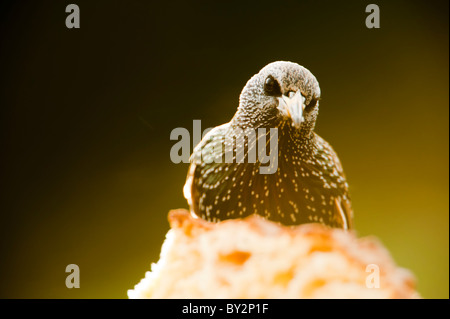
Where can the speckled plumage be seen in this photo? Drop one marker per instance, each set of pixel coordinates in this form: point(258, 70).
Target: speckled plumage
point(309, 184)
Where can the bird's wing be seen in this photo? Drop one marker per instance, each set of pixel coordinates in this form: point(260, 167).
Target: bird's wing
point(204, 154)
point(336, 182)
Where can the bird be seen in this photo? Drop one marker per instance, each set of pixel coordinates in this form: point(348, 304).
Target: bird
point(307, 185)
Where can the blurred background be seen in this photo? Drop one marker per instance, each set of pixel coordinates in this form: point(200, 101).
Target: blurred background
point(86, 115)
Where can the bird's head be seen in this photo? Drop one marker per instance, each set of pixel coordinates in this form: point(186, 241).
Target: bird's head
point(283, 93)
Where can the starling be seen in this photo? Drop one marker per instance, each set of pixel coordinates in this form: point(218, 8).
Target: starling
point(307, 183)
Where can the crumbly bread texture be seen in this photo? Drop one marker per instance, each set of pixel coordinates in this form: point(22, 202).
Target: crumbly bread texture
point(256, 258)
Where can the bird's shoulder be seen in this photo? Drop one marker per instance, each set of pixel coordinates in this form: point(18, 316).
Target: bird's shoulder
point(324, 150)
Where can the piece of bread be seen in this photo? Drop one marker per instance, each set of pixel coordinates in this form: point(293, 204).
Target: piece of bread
point(256, 258)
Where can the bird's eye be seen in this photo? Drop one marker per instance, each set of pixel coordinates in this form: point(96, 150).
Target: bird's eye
point(311, 104)
point(272, 87)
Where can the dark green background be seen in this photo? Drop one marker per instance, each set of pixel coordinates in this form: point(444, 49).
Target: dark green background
point(86, 115)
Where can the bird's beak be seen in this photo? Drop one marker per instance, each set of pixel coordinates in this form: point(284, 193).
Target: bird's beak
point(292, 107)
